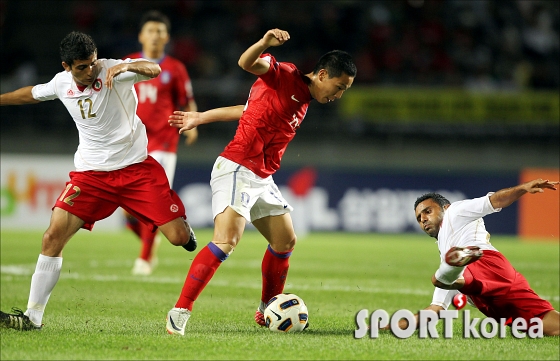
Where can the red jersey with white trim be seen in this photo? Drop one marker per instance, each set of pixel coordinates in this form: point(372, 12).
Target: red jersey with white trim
point(277, 104)
point(159, 97)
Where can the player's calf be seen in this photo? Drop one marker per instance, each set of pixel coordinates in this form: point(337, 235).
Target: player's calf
point(192, 244)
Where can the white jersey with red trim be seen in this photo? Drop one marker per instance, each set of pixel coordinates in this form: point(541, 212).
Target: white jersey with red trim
point(462, 226)
point(111, 135)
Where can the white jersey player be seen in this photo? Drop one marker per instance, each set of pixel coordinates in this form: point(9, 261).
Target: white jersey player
point(112, 166)
point(111, 134)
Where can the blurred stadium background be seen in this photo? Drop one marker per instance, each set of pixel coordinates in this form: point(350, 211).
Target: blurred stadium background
point(454, 96)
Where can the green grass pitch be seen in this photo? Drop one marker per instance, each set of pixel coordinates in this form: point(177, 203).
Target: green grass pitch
point(99, 311)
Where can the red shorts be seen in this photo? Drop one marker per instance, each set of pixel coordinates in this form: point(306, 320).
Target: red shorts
point(499, 291)
point(142, 189)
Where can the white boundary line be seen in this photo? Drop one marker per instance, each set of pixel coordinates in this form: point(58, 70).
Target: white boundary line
point(25, 270)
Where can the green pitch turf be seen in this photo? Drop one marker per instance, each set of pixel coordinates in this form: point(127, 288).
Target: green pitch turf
point(99, 311)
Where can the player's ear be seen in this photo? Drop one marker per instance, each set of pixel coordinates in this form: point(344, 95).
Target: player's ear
point(66, 66)
point(323, 74)
point(446, 206)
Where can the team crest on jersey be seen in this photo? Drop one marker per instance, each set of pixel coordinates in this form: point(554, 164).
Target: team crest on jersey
point(70, 92)
point(245, 199)
point(97, 84)
point(174, 208)
point(165, 77)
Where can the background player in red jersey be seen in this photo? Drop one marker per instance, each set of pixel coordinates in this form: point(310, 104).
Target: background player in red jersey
point(242, 185)
point(157, 99)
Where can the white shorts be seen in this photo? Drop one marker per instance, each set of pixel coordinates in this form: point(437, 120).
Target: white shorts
point(168, 161)
point(245, 192)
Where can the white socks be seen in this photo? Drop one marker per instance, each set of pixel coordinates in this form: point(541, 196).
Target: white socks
point(43, 281)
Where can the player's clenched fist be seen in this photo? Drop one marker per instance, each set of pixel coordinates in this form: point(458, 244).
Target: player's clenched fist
point(275, 37)
point(462, 256)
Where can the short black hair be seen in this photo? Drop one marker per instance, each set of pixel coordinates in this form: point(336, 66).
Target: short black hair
point(336, 62)
point(438, 198)
point(76, 46)
point(157, 16)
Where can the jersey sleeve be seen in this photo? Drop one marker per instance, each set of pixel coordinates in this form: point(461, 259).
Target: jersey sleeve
point(47, 91)
point(272, 76)
point(466, 211)
point(182, 86)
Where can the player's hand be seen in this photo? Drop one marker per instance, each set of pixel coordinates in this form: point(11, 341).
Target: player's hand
point(462, 256)
point(191, 136)
point(275, 37)
point(113, 72)
point(539, 185)
point(184, 120)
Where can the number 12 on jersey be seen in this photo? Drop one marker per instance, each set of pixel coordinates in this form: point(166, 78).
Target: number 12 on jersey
point(90, 108)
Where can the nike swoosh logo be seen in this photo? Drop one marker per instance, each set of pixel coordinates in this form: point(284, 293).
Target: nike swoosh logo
point(175, 327)
point(277, 315)
point(294, 98)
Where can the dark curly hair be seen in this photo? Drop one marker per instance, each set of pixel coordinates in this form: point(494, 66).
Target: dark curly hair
point(335, 63)
point(76, 46)
point(438, 198)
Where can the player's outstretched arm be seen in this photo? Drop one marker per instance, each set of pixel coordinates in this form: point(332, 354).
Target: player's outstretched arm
point(189, 120)
point(456, 285)
point(191, 135)
point(18, 97)
point(250, 60)
point(507, 196)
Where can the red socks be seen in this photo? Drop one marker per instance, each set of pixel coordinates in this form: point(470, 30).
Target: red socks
point(274, 271)
point(147, 237)
point(144, 232)
point(200, 273)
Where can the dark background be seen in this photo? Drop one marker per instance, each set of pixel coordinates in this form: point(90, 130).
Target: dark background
point(480, 46)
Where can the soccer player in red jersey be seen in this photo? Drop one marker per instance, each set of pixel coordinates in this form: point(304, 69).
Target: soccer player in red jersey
point(243, 189)
point(113, 168)
point(472, 266)
point(157, 99)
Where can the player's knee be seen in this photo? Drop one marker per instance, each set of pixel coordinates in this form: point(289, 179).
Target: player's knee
point(179, 236)
point(226, 244)
point(284, 245)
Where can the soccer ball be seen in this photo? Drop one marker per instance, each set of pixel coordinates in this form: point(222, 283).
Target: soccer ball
point(286, 312)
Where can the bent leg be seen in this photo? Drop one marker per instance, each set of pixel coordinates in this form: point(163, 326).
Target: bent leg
point(227, 232)
point(228, 229)
point(62, 227)
point(280, 234)
point(278, 231)
point(47, 271)
point(176, 231)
